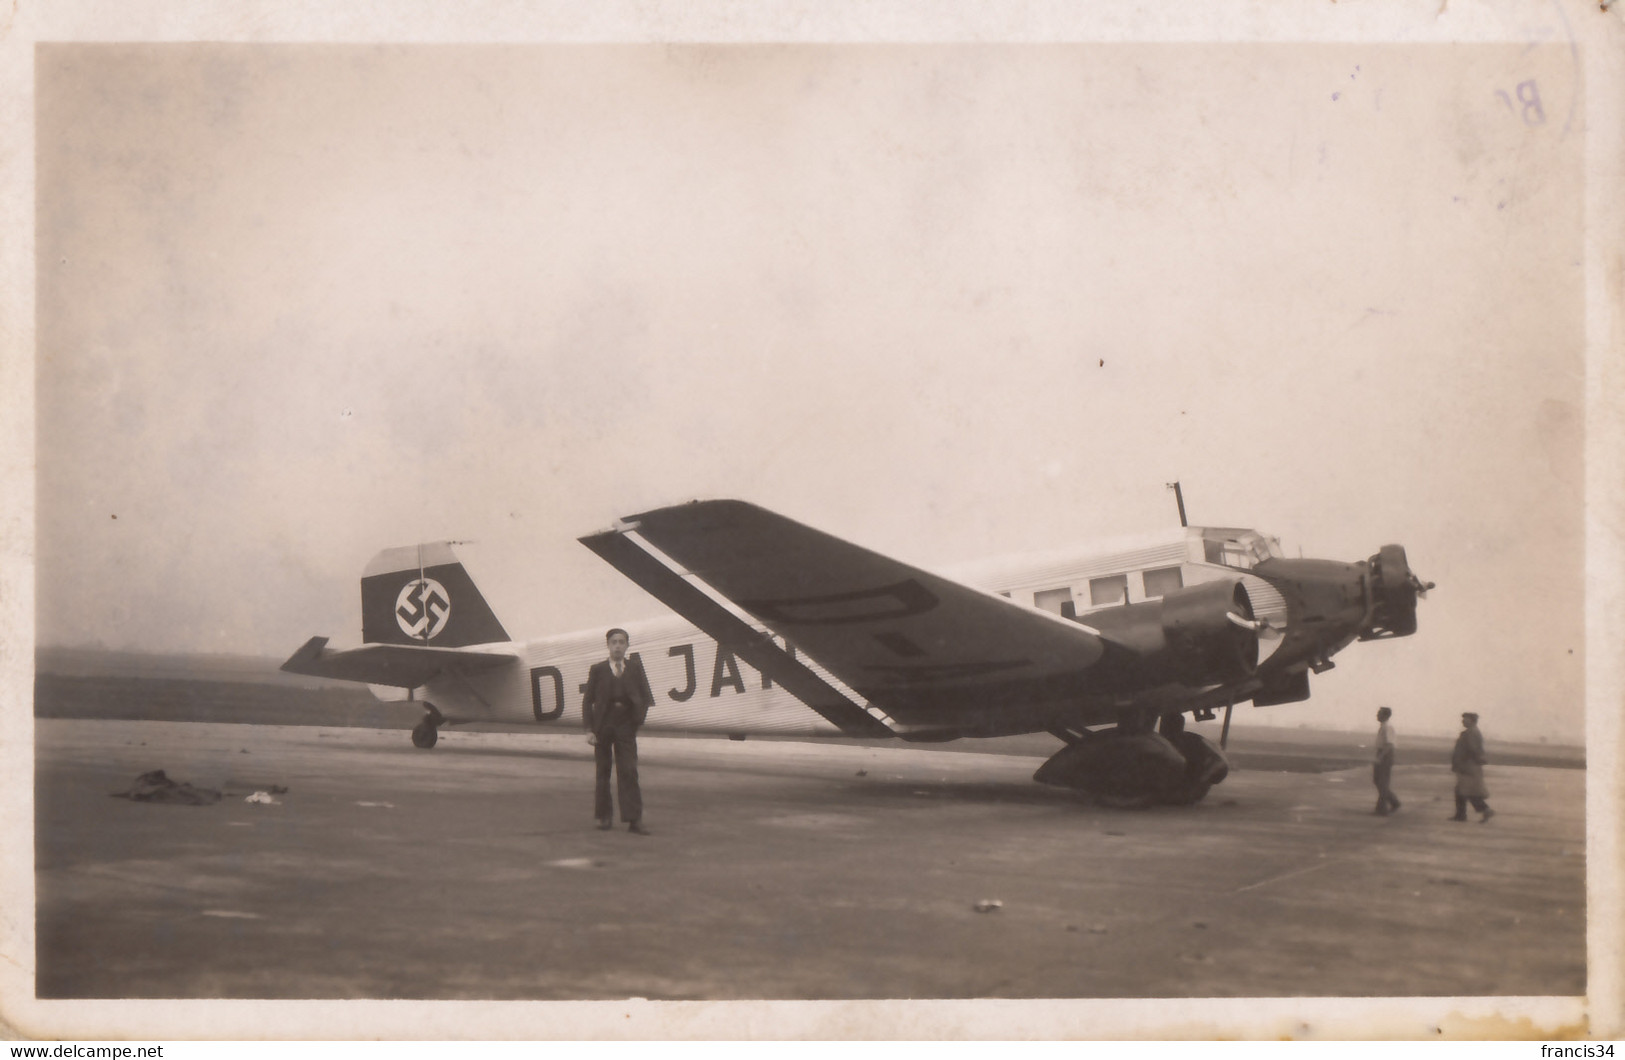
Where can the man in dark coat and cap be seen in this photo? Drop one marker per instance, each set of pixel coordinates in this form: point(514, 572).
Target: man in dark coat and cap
point(1467, 762)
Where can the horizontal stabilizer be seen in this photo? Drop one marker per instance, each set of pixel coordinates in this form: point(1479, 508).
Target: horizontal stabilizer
point(750, 644)
point(396, 665)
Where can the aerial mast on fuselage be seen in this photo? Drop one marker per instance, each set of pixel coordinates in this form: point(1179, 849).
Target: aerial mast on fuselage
point(1179, 498)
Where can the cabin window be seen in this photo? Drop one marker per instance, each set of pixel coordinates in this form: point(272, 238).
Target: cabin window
point(1055, 601)
point(1162, 581)
point(1111, 590)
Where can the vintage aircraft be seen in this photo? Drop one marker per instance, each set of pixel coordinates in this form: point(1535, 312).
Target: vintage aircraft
point(1107, 648)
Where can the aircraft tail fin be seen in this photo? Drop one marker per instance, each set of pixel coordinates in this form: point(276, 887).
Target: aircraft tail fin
point(421, 595)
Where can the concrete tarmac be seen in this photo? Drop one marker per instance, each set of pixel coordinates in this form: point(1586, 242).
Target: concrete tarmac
point(775, 870)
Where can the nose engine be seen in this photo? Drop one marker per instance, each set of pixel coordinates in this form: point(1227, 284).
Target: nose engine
point(1394, 592)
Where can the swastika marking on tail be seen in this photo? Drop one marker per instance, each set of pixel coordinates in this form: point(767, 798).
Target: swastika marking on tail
point(422, 608)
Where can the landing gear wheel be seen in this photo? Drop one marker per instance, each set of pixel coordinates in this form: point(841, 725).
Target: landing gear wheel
point(425, 734)
point(1116, 801)
point(1125, 770)
point(1205, 766)
point(1189, 794)
point(1129, 770)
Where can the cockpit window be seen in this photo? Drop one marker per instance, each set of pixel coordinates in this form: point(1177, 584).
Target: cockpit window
point(1243, 552)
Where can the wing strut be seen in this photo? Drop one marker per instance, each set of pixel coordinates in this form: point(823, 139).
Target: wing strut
point(754, 646)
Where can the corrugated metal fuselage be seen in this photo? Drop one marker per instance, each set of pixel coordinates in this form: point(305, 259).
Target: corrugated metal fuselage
point(701, 686)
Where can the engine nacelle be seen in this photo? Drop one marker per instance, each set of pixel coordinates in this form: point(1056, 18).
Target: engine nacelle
point(1201, 634)
point(1201, 627)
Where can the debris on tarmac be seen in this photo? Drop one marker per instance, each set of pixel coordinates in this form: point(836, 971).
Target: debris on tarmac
point(156, 787)
point(988, 905)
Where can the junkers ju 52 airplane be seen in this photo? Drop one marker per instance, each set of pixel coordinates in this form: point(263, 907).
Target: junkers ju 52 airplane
point(1107, 648)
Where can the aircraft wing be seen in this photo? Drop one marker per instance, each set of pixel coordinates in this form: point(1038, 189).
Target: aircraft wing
point(923, 650)
point(398, 665)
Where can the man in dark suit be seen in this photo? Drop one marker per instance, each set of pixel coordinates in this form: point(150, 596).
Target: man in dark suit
point(616, 702)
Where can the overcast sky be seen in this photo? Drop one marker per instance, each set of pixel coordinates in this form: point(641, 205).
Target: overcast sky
point(297, 304)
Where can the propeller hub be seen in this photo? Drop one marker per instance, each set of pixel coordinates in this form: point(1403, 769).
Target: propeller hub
point(1394, 592)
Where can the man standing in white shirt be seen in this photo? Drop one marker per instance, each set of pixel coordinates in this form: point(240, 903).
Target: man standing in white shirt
point(1382, 767)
